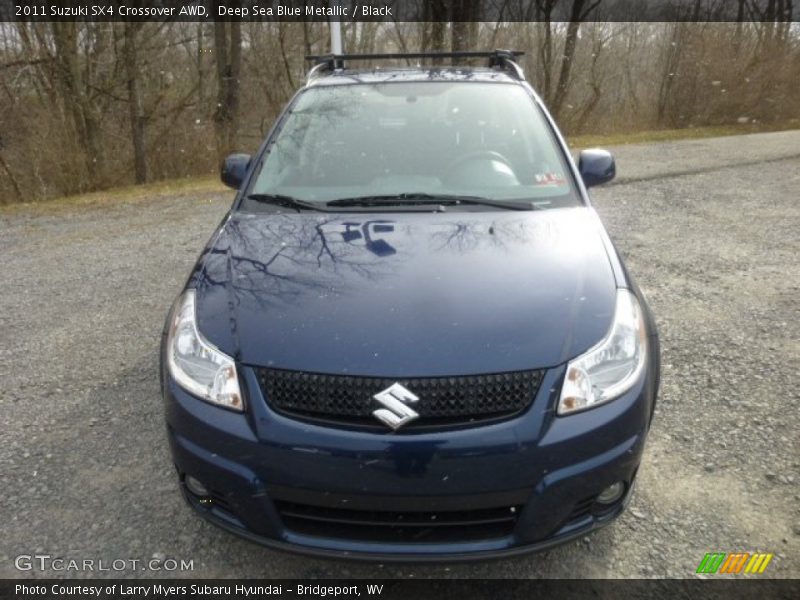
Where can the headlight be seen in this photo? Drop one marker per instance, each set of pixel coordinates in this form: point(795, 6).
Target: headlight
point(612, 366)
point(195, 364)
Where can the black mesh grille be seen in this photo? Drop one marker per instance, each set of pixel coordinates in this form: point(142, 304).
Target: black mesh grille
point(444, 401)
point(399, 527)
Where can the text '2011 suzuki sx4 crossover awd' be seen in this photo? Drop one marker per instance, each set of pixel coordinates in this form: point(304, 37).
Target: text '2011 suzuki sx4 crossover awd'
point(410, 337)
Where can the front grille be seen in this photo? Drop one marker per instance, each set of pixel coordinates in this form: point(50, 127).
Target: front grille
point(399, 527)
point(444, 401)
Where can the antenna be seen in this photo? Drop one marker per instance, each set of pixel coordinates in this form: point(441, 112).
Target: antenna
point(336, 30)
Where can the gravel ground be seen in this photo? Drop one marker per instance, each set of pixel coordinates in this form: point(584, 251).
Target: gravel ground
point(710, 230)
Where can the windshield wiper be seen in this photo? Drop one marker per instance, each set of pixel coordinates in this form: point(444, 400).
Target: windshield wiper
point(412, 199)
point(286, 201)
point(388, 200)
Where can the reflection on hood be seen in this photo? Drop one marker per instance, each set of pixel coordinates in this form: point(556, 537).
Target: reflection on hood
point(416, 293)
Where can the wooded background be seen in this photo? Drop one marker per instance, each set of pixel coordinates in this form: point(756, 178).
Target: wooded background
point(88, 106)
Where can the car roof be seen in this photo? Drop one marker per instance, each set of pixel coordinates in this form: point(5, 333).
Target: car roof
point(411, 74)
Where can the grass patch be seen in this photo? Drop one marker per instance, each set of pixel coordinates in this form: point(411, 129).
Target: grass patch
point(671, 135)
point(130, 194)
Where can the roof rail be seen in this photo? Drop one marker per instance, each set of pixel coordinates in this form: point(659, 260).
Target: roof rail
point(504, 59)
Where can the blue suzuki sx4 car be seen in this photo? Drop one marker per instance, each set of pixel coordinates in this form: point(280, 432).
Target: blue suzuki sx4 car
point(411, 338)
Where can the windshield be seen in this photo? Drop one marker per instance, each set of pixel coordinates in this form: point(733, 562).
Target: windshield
point(487, 140)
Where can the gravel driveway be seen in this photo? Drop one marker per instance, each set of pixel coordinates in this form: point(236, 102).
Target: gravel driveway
point(710, 230)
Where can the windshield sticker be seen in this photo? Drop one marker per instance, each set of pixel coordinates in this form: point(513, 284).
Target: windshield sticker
point(550, 179)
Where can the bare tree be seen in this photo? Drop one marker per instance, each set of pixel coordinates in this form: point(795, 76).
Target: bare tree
point(579, 12)
point(74, 95)
point(136, 111)
point(433, 32)
point(11, 179)
point(464, 16)
point(228, 51)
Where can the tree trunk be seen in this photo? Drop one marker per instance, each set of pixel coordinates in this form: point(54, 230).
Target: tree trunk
point(594, 84)
point(12, 180)
point(306, 38)
point(135, 109)
point(228, 50)
point(284, 57)
point(578, 14)
point(543, 15)
point(73, 95)
point(567, 58)
point(201, 72)
point(464, 32)
point(433, 39)
point(672, 59)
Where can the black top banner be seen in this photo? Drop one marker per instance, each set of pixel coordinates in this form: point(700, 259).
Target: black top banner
point(401, 10)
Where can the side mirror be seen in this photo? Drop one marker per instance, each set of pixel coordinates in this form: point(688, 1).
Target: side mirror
point(596, 166)
point(234, 169)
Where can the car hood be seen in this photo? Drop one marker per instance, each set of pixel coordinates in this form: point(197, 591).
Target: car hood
point(408, 294)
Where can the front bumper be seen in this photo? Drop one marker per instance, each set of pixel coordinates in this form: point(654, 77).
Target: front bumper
point(312, 489)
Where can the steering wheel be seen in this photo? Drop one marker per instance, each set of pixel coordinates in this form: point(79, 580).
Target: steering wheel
point(485, 155)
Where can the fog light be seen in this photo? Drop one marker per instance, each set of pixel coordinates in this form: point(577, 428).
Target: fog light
point(194, 486)
point(611, 494)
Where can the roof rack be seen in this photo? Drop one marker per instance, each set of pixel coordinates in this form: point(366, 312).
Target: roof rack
point(505, 59)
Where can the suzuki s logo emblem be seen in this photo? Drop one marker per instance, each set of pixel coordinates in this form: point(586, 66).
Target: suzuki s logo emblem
point(396, 412)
